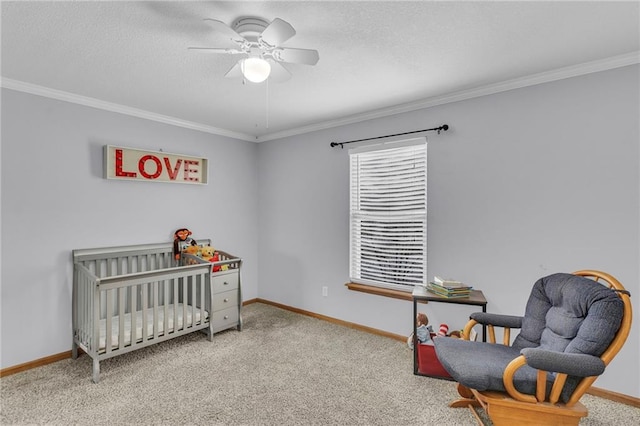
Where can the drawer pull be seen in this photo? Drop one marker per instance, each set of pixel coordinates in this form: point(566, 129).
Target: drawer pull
point(226, 300)
point(226, 317)
point(226, 283)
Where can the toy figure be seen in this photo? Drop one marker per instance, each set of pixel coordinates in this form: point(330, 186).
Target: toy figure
point(216, 258)
point(443, 330)
point(207, 253)
point(182, 240)
point(423, 331)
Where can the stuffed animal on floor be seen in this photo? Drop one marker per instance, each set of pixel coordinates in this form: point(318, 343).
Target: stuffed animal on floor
point(181, 240)
point(423, 331)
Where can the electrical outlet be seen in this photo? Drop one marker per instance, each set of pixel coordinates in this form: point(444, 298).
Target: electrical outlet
point(325, 291)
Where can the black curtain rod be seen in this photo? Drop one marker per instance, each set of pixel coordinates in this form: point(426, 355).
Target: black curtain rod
point(444, 127)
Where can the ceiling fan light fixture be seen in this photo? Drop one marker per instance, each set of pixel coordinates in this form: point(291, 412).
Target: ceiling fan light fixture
point(256, 70)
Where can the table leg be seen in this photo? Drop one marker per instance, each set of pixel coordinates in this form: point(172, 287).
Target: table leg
point(415, 339)
point(484, 327)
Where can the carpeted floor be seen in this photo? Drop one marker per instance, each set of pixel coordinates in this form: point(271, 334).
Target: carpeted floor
point(282, 369)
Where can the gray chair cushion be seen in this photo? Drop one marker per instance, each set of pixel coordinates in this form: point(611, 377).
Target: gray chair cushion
point(480, 365)
point(565, 313)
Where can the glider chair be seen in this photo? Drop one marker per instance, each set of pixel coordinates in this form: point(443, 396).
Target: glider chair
point(573, 326)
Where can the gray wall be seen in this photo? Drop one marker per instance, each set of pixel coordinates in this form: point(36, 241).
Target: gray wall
point(525, 183)
point(54, 200)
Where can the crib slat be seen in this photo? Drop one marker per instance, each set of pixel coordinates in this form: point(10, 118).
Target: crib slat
point(81, 308)
point(175, 283)
point(79, 304)
point(108, 319)
point(88, 310)
point(194, 281)
point(88, 314)
point(201, 278)
point(185, 288)
point(165, 295)
point(110, 268)
point(144, 312)
point(188, 303)
point(90, 330)
point(121, 317)
point(133, 307)
point(154, 323)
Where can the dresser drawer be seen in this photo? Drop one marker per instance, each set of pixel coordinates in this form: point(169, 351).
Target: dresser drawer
point(224, 319)
point(224, 281)
point(228, 299)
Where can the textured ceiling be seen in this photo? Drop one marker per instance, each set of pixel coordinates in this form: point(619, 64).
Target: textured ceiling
point(376, 57)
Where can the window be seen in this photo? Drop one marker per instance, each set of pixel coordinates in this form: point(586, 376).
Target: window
point(388, 214)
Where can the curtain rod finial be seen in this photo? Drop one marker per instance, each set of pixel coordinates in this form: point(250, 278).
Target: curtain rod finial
point(444, 127)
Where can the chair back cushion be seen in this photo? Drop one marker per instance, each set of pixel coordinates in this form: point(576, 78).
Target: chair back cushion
point(569, 313)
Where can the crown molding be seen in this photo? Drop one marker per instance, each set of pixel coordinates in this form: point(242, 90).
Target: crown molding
point(60, 95)
point(531, 80)
point(517, 83)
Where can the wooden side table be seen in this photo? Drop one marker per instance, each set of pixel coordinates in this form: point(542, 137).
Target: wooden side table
point(420, 294)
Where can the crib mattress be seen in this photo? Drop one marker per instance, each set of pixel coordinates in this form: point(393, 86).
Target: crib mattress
point(159, 323)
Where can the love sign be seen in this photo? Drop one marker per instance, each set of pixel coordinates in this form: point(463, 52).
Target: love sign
point(135, 164)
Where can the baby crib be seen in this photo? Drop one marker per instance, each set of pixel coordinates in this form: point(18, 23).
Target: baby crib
point(126, 298)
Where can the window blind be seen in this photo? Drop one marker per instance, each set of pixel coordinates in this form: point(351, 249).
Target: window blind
point(388, 215)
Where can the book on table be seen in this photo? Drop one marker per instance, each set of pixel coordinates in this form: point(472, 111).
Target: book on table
point(448, 283)
point(449, 288)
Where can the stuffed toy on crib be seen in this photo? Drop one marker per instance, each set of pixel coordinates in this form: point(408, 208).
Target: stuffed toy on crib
point(209, 254)
point(182, 241)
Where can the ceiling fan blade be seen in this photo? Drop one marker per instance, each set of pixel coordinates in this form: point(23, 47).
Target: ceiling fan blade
point(297, 56)
point(277, 32)
point(217, 50)
point(279, 72)
point(235, 71)
point(225, 30)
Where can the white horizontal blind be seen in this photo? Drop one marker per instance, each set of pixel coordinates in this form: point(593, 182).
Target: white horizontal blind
point(388, 216)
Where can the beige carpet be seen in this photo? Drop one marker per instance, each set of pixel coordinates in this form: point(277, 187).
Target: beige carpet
point(282, 369)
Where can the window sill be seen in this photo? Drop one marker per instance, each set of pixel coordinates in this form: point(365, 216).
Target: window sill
point(386, 292)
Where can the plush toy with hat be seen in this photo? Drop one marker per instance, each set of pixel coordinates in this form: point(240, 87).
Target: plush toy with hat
point(443, 330)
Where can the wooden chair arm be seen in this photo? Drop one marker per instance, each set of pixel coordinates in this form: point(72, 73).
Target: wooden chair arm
point(466, 331)
point(541, 384)
point(506, 337)
point(507, 380)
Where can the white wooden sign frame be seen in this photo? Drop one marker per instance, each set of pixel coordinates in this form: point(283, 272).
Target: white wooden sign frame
point(154, 166)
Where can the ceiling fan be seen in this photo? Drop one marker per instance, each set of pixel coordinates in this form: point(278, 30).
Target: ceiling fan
point(259, 43)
